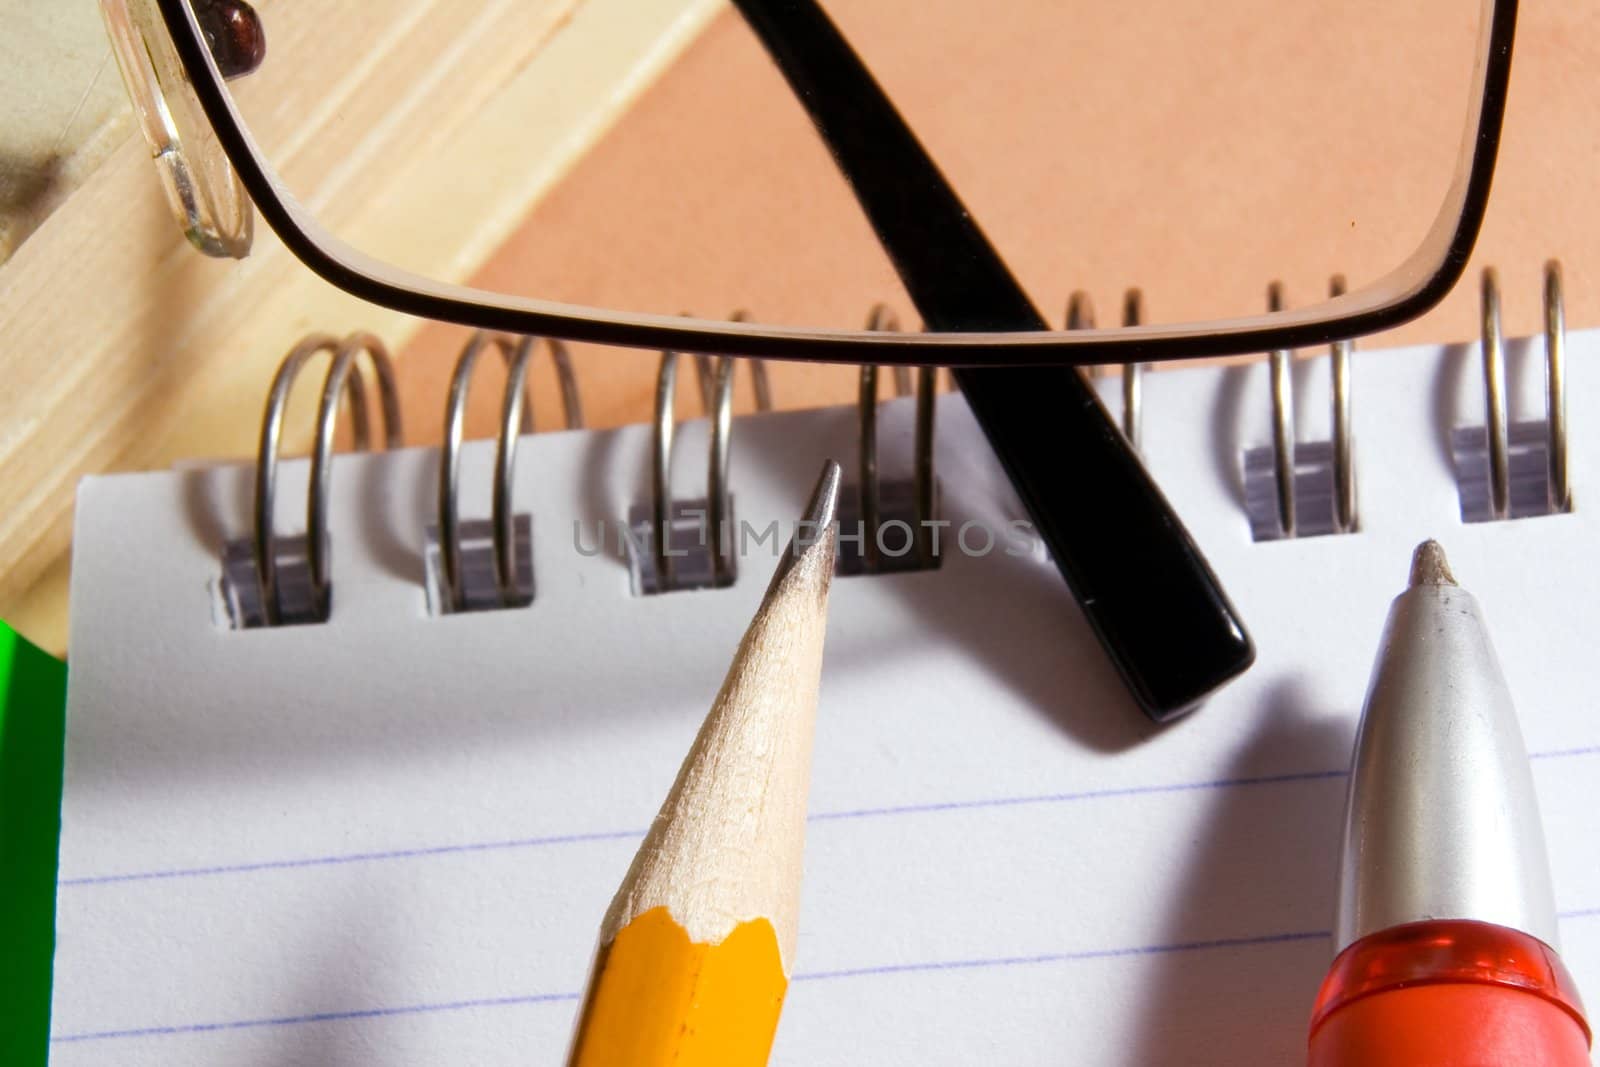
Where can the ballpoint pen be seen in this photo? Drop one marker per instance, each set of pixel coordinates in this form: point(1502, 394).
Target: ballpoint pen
point(1446, 926)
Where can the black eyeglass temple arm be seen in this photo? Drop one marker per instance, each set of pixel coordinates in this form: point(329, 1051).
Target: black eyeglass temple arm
point(1142, 582)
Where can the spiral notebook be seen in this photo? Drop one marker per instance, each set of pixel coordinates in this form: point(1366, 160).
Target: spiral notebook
point(388, 838)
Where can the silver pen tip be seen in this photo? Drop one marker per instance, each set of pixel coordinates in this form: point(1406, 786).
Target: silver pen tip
point(1442, 817)
point(1429, 567)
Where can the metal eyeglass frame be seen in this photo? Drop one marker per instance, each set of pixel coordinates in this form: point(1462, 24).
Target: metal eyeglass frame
point(1411, 289)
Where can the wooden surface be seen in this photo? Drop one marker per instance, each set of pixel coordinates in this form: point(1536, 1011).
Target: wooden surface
point(165, 368)
point(64, 109)
point(127, 350)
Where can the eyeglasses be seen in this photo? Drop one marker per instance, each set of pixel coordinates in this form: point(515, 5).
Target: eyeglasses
point(177, 56)
point(1142, 582)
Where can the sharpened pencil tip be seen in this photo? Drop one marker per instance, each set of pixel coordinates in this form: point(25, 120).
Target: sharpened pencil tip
point(824, 503)
point(1429, 566)
point(815, 535)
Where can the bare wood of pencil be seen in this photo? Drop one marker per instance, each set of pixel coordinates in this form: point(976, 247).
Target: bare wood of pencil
point(696, 949)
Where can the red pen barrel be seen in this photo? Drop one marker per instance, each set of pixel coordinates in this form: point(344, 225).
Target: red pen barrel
point(1449, 993)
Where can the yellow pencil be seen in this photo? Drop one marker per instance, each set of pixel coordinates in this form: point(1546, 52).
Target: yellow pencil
point(695, 950)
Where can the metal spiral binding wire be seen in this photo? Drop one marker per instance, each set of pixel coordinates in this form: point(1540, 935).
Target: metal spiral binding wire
point(1344, 471)
point(266, 605)
point(1276, 500)
point(719, 403)
point(512, 582)
point(1555, 355)
point(1494, 394)
point(659, 572)
point(1281, 363)
point(1080, 311)
point(705, 375)
point(1133, 374)
point(1505, 469)
point(869, 495)
point(271, 580)
point(1080, 316)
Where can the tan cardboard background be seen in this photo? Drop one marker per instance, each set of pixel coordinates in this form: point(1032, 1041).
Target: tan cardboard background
point(659, 211)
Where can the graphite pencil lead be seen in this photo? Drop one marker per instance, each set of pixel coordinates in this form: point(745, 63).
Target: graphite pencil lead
point(815, 537)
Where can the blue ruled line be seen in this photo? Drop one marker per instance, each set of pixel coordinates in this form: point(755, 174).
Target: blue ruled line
point(924, 967)
point(353, 857)
point(1564, 753)
point(818, 817)
point(931, 966)
point(1066, 957)
point(615, 835)
point(315, 1017)
point(1064, 798)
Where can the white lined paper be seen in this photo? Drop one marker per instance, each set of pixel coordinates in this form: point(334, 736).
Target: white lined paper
point(390, 839)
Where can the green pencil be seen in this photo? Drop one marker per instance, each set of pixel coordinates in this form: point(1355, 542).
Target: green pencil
point(33, 691)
